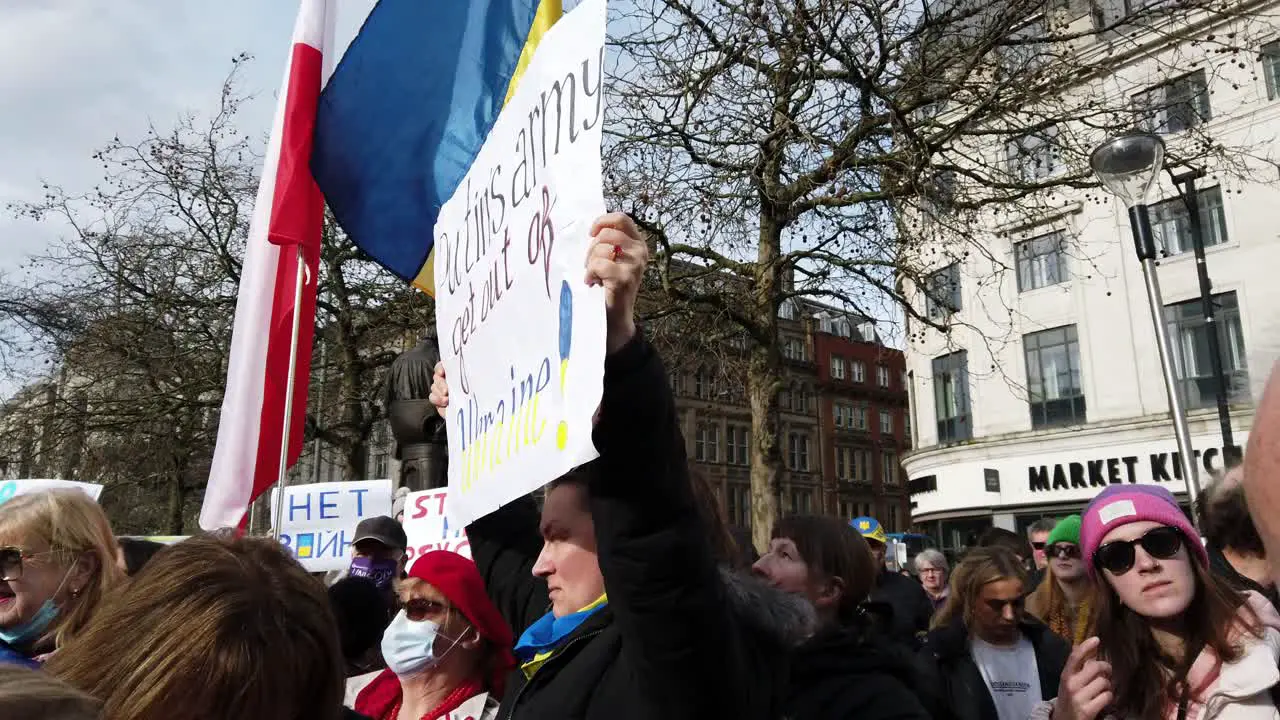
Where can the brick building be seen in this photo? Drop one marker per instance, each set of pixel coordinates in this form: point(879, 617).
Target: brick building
point(822, 348)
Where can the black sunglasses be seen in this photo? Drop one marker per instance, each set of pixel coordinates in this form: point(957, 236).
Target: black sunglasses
point(1065, 551)
point(1037, 545)
point(1117, 557)
point(11, 559)
point(419, 609)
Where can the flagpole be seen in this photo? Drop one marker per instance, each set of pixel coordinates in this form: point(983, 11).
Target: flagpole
point(253, 517)
point(282, 480)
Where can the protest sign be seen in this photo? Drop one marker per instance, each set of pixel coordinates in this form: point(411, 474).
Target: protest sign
point(12, 488)
point(427, 524)
point(521, 335)
point(320, 519)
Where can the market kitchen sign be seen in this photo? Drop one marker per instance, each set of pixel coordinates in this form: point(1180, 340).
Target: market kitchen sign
point(1157, 467)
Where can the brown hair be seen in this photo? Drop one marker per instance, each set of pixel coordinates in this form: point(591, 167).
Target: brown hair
point(833, 550)
point(1048, 603)
point(1224, 515)
point(213, 627)
point(981, 566)
point(75, 528)
point(1140, 670)
point(33, 695)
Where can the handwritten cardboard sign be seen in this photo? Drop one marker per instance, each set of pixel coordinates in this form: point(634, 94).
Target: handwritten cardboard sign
point(10, 489)
point(320, 519)
point(427, 525)
point(521, 335)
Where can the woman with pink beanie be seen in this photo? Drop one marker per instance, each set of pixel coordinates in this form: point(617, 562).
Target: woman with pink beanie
point(1173, 641)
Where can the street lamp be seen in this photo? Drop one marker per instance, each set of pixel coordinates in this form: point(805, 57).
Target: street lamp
point(1129, 167)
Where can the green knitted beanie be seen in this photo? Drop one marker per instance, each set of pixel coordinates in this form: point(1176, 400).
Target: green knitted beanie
point(1067, 530)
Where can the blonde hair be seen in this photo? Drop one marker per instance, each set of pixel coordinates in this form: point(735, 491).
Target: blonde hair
point(1049, 604)
point(74, 526)
point(33, 695)
point(980, 567)
point(212, 627)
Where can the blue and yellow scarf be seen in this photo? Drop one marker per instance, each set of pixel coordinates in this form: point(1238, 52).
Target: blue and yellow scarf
point(544, 636)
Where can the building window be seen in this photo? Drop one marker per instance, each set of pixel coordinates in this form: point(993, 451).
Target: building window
point(677, 383)
point(1271, 68)
point(843, 415)
point(702, 384)
point(859, 418)
point(843, 458)
point(706, 446)
point(889, 467)
point(1035, 156)
point(800, 501)
point(848, 509)
point(1177, 105)
point(801, 403)
point(1041, 261)
point(892, 512)
point(788, 311)
point(1191, 350)
point(882, 376)
point(1171, 223)
point(942, 295)
point(861, 466)
point(886, 422)
point(858, 370)
point(906, 426)
point(837, 367)
point(739, 445)
point(739, 505)
point(1053, 377)
point(793, 349)
point(798, 451)
point(951, 397)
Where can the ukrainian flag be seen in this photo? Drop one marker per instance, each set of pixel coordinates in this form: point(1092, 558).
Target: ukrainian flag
point(406, 111)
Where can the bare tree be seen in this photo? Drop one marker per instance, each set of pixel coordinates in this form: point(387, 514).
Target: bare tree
point(134, 306)
point(850, 142)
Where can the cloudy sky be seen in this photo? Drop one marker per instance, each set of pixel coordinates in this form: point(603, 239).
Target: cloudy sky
point(75, 73)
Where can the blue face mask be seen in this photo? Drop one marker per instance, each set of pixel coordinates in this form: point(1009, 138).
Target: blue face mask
point(410, 647)
point(24, 634)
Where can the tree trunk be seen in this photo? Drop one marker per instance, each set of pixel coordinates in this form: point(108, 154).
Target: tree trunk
point(174, 525)
point(764, 373)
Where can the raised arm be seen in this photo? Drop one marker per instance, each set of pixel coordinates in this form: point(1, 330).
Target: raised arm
point(665, 591)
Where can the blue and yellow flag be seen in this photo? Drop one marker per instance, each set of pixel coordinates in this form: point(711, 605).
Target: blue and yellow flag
point(406, 111)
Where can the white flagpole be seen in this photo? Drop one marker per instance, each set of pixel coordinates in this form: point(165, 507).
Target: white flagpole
point(282, 479)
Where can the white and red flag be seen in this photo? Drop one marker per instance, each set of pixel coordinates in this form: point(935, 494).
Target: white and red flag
point(284, 232)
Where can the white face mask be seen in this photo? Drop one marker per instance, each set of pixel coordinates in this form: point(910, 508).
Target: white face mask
point(409, 647)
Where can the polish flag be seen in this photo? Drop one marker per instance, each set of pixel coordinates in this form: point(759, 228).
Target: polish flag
point(284, 233)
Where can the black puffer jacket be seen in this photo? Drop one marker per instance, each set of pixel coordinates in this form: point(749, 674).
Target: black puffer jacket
point(952, 687)
point(676, 640)
point(852, 674)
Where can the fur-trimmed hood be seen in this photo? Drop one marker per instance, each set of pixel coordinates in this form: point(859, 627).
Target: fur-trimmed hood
point(781, 617)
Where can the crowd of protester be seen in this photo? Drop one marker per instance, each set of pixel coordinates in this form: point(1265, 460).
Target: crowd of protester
point(624, 594)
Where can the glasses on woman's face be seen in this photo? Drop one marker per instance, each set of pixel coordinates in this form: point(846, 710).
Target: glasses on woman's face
point(419, 609)
point(1118, 556)
point(12, 558)
point(1065, 551)
point(931, 571)
point(998, 606)
point(1037, 545)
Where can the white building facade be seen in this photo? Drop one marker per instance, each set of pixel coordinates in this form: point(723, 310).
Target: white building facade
point(1048, 386)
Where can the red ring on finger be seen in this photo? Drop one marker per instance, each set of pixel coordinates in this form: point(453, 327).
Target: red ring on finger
point(615, 253)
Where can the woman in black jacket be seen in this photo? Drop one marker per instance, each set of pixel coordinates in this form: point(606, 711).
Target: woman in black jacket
point(643, 623)
point(845, 670)
point(986, 658)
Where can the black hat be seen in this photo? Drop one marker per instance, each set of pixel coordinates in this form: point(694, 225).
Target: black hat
point(383, 529)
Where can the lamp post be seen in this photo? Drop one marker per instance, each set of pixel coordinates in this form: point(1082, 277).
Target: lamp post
point(1186, 183)
point(1128, 167)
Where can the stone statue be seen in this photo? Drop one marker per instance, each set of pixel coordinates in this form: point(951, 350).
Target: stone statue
point(419, 430)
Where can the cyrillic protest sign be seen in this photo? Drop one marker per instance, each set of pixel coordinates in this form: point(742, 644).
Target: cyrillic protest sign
point(426, 523)
point(320, 520)
point(521, 335)
point(12, 488)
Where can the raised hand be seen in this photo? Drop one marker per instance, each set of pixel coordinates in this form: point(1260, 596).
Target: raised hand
point(439, 389)
point(1085, 688)
point(617, 260)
